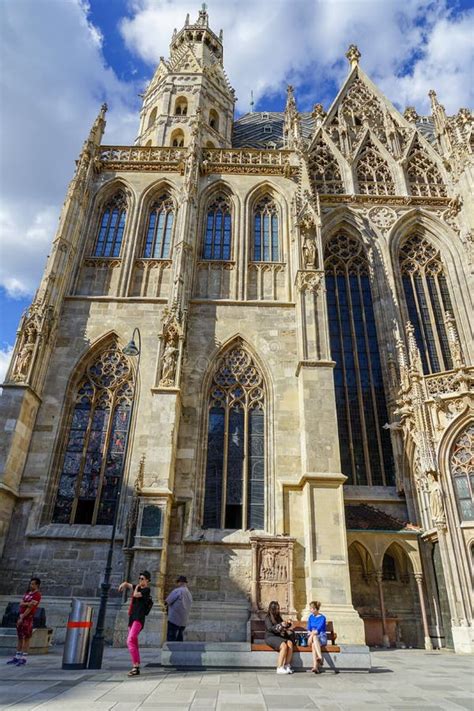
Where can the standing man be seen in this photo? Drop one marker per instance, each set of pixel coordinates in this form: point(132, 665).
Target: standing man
point(178, 604)
point(24, 625)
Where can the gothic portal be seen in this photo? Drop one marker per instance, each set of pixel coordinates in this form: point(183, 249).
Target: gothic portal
point(296, 418)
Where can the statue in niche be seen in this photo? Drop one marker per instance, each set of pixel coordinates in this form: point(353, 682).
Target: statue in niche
point(436, 499)
point(310, 252)
point(25, 355)
point(170, 358)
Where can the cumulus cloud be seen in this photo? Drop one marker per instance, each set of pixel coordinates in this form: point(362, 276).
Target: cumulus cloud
point(5, 355)
point(407, 48)
point(53, 79)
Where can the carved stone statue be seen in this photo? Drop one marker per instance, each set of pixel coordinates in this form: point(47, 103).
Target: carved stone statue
point(309, 252)
point(436, 499)
point(170, 357)
point(23, 361)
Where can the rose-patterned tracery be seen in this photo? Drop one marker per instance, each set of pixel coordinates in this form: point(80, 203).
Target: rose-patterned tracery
point(427, 299)
point(366, 452)
point(462, 472)
point(235, 471)
point(93, 460)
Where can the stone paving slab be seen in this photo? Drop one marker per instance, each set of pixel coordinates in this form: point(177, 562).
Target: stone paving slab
point(400, 679)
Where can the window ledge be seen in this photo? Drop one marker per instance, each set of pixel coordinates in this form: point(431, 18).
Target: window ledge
point(224, 536)
point(467, 524)
point(74, 532)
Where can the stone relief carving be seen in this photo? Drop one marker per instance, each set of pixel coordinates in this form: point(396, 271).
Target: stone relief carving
point(382, 217)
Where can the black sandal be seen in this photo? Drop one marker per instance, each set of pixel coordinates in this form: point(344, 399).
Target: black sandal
point(134, 672)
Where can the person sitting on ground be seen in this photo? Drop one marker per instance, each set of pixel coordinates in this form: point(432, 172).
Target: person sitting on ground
point(138, 610)
point(317, 635)
point(178, 603)
point(24, 625)
point(279, 636)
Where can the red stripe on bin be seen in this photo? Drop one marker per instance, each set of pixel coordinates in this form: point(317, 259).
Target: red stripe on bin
point(73, 625)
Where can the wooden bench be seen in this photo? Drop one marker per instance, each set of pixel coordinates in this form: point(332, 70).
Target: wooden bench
point(257, 637)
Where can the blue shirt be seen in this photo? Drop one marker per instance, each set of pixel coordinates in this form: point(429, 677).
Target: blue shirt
point(317, 623)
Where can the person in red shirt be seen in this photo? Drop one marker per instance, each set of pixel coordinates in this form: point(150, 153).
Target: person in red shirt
point(24, 626)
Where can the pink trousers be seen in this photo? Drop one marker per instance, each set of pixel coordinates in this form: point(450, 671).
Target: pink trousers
point(132, 641)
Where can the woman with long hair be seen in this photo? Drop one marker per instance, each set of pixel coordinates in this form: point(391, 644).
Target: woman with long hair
point(280, 637)
point(138, 610)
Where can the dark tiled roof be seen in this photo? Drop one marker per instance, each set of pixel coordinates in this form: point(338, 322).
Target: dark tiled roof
point(265, 129)
point(362, 517)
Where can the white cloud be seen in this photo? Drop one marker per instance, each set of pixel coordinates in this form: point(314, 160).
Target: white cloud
point(268, 43)
point(5, 355)
point(53, 79)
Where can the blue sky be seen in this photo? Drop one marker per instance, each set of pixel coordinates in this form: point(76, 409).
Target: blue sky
point(60, 59)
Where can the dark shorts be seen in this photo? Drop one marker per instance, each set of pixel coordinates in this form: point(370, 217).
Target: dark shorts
point(25, 629)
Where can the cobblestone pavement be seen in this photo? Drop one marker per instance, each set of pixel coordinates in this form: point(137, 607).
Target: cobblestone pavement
point(401, 679)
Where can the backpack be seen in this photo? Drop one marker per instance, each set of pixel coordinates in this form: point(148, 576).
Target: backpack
point(149, 605)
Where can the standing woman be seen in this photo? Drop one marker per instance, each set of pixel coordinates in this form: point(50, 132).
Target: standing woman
point(138, 610)
point(279, 636)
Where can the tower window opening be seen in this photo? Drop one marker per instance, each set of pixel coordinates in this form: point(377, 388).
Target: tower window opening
point(152, 118)
point(267, 128)
point(177, 138)
point(181, 106)
point(214, 119)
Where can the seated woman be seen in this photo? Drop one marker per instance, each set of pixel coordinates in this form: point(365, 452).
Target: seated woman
point(279, 636)
point(317, 635)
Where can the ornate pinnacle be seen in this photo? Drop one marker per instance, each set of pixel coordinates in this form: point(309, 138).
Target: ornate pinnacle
point(410, 114)
point(318, 112)
point(413, 352)
point(453, 341)
point(353, 55)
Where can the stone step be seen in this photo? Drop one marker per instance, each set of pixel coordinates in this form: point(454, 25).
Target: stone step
point(239, 655)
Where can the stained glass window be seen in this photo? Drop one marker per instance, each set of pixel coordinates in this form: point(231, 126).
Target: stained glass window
point(266, 230)
point(112, 225)
point(365, 446)
point(93, 460)
point(428, 300)
point(235, 471)
point(160, 228)
point(217, 240)
point(462, 472)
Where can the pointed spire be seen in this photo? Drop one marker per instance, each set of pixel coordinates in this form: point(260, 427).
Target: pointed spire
point(291, 129)
point(438, 111)
point(453, 341)
point(353, 55)
point(413, 351)
point(98, 127)
point(203, 19)
point(318, 114)
point(410, 114)
point(402, 359)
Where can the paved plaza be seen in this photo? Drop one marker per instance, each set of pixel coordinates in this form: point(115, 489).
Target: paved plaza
point(401, 679)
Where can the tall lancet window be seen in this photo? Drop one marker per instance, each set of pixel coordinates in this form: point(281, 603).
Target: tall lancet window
point(93, 457)
point(266, 228)
point(427, 299)
point(462, 472)
point(160, 229)
point(112, 225)
point(235, 469)
point(366, 451)
point(217, 240)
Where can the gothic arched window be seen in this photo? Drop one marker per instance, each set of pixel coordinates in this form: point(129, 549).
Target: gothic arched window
point(93, 460)
point(424, 178)
point(181, 106)
point(462, 472)
point(427, 299)
point(177, 138)
point(217, 240)
point(112, 225)
point(389, 568)
point(366, 451)
point(324, 170)
point(373, 173)
point(266, 238)
point(235, 469)
point(160, 228)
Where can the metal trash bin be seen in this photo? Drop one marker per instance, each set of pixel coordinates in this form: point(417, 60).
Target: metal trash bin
point(76, 645)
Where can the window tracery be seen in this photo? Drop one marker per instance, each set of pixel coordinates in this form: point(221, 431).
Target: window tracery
point(428, 300)
point(235, 470)
point(324, 170)
point(366, 451)
point(112, 225)
point(462, 472)
point(217, 240)
point(160, 229)
point(93, 458)
point(373, 174)
point(424, 178)
point(266, 231)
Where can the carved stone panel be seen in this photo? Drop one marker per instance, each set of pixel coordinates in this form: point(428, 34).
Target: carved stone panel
point(272, 574)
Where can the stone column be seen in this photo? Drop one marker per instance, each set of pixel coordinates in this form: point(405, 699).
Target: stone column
point(379, 579)
point(419, 583)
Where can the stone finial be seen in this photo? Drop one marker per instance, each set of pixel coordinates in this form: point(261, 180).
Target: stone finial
point(453, 341)
point(464, 115)
point(413, 351)
point(186, 22)
point(318, 112)
point(353, 55)
point(410, 114)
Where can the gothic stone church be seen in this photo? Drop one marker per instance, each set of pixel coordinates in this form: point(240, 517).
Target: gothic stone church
point(296, 420)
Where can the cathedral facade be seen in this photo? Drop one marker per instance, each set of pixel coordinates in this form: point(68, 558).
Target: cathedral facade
point(293, 419)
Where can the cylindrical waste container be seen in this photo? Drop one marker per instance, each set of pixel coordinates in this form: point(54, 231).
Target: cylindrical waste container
point(76, 645)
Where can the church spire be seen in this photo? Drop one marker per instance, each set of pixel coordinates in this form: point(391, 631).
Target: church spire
point(204, 43)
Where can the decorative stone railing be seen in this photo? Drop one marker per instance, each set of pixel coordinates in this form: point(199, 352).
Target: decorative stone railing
point(231, 160)
point(449, 382)
point(139, 157)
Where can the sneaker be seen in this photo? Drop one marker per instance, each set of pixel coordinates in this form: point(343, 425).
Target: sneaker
point(289, 669)
point(282, 670)
point(14, 660)
point(21, 662)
